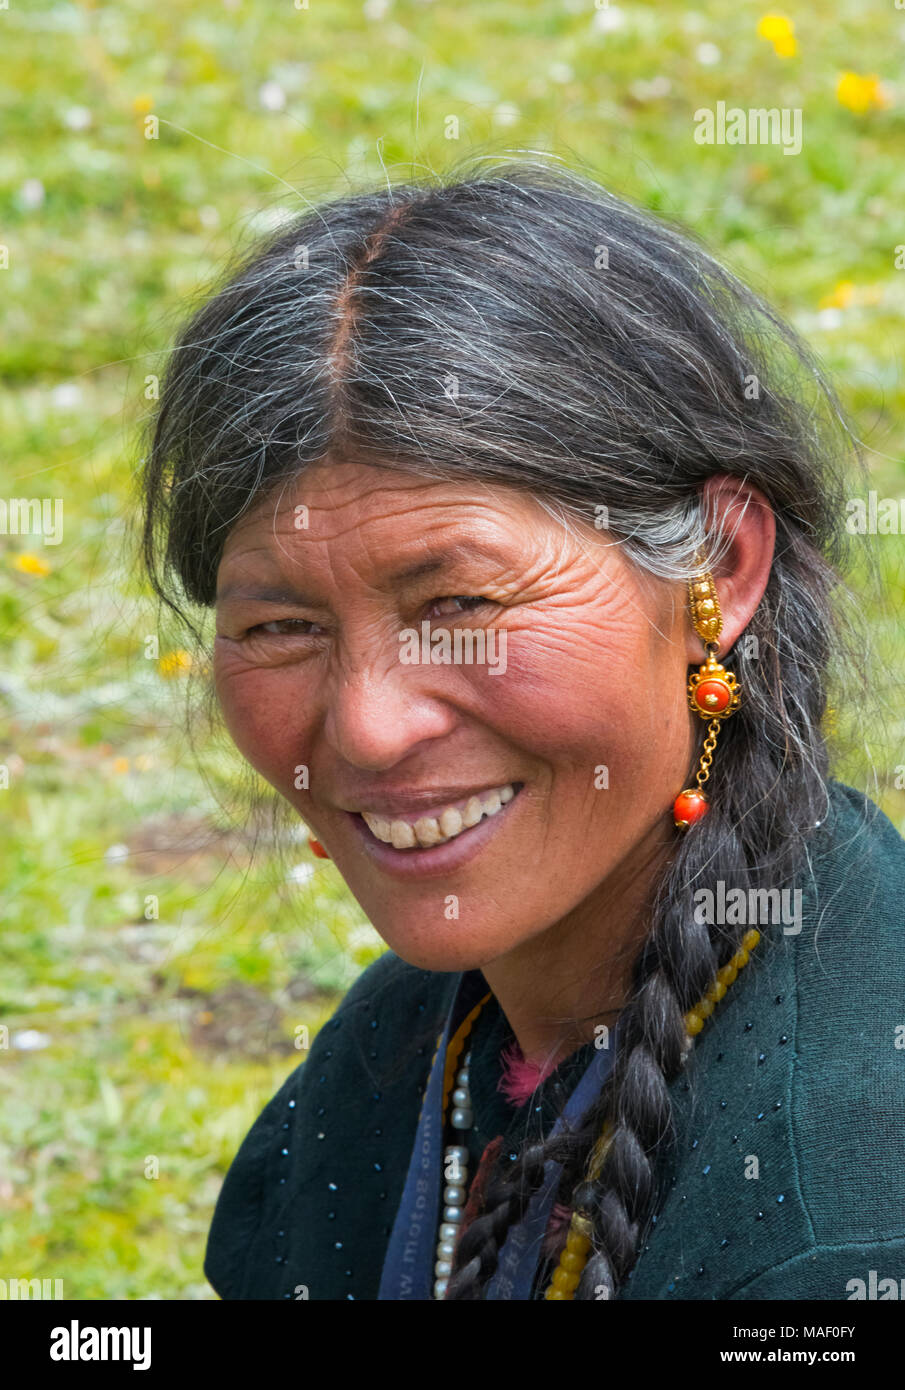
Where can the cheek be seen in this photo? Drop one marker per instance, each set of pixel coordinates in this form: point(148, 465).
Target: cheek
point(264, 715)
point(584, 697)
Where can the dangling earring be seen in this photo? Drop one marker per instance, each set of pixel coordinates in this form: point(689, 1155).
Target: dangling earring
point(317, 848)
point(713, 693)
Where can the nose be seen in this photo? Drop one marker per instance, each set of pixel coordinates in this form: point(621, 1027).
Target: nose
point(380, 711)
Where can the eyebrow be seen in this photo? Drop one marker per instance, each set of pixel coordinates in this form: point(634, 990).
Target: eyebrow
point(419, 569)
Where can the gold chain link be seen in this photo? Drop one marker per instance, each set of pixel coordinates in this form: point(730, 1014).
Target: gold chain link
point(703, 772)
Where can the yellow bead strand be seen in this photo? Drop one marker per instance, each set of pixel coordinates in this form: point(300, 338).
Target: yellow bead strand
point(574, 1257)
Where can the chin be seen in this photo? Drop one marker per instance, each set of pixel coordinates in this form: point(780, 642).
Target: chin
point(442, 953)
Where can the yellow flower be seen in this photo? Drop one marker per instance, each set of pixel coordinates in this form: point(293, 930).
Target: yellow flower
point(840, 298)
point(848, 295)
point(31, 564)
point(175, 664)
point(860, 93)
point(779, 31)
point(120, 765)
point(142, 105)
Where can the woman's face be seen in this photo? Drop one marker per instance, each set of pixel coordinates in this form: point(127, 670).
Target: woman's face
point(569, 724)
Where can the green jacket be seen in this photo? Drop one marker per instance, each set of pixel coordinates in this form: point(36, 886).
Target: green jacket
point(801, 1067)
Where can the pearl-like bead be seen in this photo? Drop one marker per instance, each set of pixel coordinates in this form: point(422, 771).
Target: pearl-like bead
point(446, 1249)
point(460, 1097)
point(454, 1195)
point(440, 1288)
point(449, 1230)
point(452, 1214)
point(461, 1119)
point(443, 1269)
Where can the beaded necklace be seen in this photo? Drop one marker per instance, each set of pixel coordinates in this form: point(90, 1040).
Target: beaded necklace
point(574, 1255)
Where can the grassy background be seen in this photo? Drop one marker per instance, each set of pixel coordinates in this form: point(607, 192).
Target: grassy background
point(141, 1042)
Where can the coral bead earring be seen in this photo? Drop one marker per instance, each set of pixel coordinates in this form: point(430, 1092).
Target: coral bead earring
point(713, 694)
point(689, 806)
point(317, 848)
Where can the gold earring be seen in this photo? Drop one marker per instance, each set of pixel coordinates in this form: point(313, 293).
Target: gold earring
point(713, 694)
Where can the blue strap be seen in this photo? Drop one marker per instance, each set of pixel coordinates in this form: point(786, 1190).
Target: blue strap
point(519, 1257)
point(408, 1269)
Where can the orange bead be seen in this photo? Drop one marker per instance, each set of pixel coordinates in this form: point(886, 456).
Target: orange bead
point(716, 991)
point(576, 1244)
point(565, 1279)
point(705, 1008)
point(712, 696)
point(740, 958)
point(727, 975)
point(750, 939)
point(693, 1023)
point(571, 1261)
point(553, 1294)
point(689, 806)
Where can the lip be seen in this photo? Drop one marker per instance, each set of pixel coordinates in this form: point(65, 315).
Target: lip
point(439, 859)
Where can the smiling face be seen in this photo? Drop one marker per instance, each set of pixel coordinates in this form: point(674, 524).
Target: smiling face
point(470, 806)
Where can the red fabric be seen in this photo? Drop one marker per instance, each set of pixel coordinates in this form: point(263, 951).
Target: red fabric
point(521, 1078)
point(475, 1202)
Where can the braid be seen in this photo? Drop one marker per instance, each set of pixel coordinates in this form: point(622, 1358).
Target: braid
point(509, 1191)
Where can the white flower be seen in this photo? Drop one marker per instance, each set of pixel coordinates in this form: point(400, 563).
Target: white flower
point(707, 54)
point(300, 873)
point(117, 854)
point(77, 118)
point(67, 396)
point(506, 113)
point(650, 91)
point(608, 19)
point(31, 194)
point(271, 96)
point(30, 1040)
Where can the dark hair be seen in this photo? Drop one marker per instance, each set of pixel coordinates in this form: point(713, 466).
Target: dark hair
point(521, 325)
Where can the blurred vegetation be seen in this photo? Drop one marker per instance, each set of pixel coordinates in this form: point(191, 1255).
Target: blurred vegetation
point(160, 949)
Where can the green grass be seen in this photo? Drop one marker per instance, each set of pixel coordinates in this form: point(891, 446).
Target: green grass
point(166, 1034)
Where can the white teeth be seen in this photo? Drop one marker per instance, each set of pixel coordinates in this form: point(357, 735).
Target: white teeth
point(427, 831)
point(401, 834)
point(436, 830)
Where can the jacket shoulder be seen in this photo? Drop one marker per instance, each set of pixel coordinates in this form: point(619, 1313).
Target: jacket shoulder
point(849, 973)
point(371, 1054)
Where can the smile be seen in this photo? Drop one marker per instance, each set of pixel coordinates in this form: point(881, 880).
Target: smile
point(444, 823)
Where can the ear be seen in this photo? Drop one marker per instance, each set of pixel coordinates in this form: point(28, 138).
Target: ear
point(742, 514)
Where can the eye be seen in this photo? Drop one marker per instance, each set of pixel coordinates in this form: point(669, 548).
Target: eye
point(282, 627)
point(468, 601)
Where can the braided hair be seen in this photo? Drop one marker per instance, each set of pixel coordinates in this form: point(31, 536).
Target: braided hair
point(600, 356)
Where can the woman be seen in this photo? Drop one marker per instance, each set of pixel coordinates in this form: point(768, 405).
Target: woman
point(521, 520)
